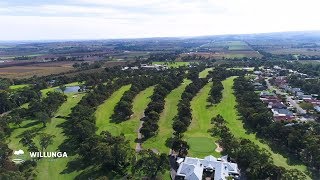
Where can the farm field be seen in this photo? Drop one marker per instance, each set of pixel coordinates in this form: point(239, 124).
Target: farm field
point(226, 108)
point(165, 121)
point(172, 64)
point(200, 141)
point(40, 69)
point(129, 127)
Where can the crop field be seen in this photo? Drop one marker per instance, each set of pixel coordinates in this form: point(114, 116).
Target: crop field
point(227, 54)
point(227, 109)
point(166, 119)
point(302, 51)
point(41, 69)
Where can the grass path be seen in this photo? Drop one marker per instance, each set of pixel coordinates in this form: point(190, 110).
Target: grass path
point(227, 109)
point(129, 127)
point(204, 73)
point(200, 141)
point(165, 121)
point(52, 167)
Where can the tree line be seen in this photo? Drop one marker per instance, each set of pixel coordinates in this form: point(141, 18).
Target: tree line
point(123, 109)
point(184, 116)
point(151, 117)
point(254, 162)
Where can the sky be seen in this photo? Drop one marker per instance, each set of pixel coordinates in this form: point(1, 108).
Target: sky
point(105, 19)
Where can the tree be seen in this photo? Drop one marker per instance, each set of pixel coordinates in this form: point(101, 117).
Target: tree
point(43, 117)
point(16, 120)
point(150, 164)
point(293, 174)
point(45, 140)
point(63, 88)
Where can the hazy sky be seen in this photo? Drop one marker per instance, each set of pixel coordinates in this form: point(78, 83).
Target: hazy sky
point(97, 19)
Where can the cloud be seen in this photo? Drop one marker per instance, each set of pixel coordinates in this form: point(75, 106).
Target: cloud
point(95, 19)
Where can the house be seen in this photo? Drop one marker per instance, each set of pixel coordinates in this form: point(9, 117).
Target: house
point(276, 105)
point(317, 108)
point(282, 114)
point(257, 72)
point(209, 168)
point(266, 94)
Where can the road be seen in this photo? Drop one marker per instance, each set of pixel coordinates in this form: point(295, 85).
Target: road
point(292, 102)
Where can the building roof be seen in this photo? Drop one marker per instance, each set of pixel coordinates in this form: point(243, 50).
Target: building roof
point(317, 108)
point(192, 168)
point(282, 112)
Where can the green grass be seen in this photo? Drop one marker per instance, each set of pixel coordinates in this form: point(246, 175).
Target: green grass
point(128, 128)
point(53, 167)
point(197, 136)
point(47, 167)
point(172, 64)
point(227, 109)
point(16, 87)
point(204, 73)
point(202, 146)
point(165, 121)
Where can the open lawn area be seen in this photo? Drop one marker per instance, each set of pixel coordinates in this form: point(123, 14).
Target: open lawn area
point(227, 109)
point(128, 128)
point(172, 64)
point(204, 73)
point(165, 121)
point(200, 141)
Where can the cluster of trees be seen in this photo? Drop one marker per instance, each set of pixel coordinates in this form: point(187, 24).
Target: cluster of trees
point(299, 141)
point(254, 162)
point(118, 160)
point(196, 57)
point(13, 99)
point(86, 65)
point(152, 113)
point(254, 113)
point(215, 95)
point(4, 84)
point(310, 86)
point(44, 109)
point(184, 117)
